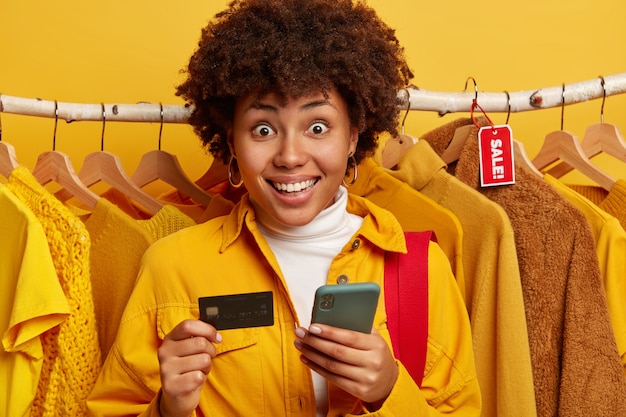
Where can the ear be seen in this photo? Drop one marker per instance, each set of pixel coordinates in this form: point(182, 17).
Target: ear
point(354, 139)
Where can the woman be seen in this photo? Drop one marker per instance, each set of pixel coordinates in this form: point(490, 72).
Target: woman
point(292, 94)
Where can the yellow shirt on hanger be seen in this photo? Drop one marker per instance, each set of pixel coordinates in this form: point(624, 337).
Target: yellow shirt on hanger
point(31, 303)
point(610, 239)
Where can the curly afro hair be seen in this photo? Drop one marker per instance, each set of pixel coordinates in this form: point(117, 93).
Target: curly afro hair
point(295, 48)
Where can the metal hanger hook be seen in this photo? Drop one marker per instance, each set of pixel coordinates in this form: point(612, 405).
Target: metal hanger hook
point(104, 121)
point(56, 123)
point(161, 126)
point(475, 87)
point(1, 110)
point(562, 104)
point(508, 100)
point(602, 83)
point(408, 107)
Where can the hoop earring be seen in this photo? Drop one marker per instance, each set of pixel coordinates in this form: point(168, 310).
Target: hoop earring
point(230, 172)
point(355, 172)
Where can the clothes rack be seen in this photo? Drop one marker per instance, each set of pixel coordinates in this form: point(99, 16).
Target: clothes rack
point(418, 99)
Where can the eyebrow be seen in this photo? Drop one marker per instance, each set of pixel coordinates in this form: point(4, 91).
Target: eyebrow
point(257, 105)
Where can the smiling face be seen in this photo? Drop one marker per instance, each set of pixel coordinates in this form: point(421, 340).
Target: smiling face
point(293, 154)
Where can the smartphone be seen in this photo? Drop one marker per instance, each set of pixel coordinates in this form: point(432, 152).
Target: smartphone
point(349, 306)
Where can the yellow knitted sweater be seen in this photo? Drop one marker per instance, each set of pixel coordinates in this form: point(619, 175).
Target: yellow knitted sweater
point(71, 354)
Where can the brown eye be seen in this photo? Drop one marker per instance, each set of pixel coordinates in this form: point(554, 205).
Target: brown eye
point(318, 128)
point(263, 130)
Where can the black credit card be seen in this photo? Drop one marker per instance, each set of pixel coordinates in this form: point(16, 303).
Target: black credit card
point(238, 311)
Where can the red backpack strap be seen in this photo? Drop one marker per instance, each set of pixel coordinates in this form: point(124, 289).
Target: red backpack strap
point(406, 302)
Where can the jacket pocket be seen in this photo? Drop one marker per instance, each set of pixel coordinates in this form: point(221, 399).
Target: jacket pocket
point(171, 316)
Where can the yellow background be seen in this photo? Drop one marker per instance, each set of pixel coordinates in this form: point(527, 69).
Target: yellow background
point(131, 51)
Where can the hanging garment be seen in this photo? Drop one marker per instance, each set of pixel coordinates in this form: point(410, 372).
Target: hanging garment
point(576, 366)
point(117, 244)
point(32, 303)
point(166, 221)
point(610, 243)
point(493, 289)
point(414, 211)
point(71, 353)
point(613, 202)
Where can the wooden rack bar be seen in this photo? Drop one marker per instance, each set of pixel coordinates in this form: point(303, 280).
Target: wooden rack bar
point(418, 99)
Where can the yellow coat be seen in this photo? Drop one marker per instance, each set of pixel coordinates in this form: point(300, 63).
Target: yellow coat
point(257, 371)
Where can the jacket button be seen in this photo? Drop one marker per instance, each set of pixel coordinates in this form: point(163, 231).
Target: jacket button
point(342, 279)
point(356, 244)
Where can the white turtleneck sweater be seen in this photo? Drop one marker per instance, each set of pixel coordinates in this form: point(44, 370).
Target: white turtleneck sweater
point(304, 254)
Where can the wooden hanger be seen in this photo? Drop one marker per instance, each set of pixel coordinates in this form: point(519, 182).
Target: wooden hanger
point(8, 158)
point(55, 166)
point(107, 167)
point(454, 148)
point(521, 158)
point(216, 174)
point(564, 146)
point(598, 138)
point(396, 147)
point(160, 165)
point(604, 137)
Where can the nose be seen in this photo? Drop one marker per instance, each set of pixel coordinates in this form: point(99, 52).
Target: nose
point(291, 151)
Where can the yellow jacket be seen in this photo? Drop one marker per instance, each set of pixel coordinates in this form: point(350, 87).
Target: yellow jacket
point(257, 371)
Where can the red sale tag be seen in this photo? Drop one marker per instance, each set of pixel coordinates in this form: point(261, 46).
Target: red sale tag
point(496, 156)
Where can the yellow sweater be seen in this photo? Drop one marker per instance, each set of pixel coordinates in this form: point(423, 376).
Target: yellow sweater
point(118, 243)
point(613, 202)
point(71, 354)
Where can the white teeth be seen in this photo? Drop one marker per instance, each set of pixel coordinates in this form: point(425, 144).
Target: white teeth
point(294, 186)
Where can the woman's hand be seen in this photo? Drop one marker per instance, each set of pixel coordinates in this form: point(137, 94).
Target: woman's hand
point(360, 364)
point(185, 361)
